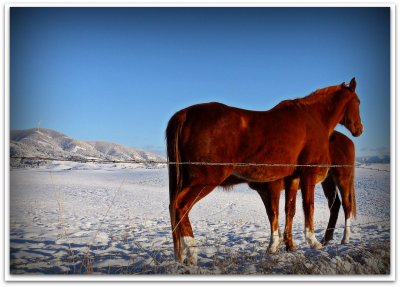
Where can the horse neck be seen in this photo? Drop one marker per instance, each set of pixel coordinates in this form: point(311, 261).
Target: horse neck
point(331, 109)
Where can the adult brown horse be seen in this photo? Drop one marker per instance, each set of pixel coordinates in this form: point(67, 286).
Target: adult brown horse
point(294, 134)
point(340, 174)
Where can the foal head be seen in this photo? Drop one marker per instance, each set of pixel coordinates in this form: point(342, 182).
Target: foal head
point(351, 118)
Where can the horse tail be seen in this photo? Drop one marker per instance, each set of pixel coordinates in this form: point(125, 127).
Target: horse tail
point(173, 132)
point(352, 192)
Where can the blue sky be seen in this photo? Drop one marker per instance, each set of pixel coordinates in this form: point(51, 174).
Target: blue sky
point(118, 74)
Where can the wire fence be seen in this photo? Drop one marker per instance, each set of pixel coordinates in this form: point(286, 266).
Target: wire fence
point(199, 163)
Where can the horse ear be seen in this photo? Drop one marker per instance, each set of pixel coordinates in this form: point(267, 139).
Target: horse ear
point(353, 84)
point(344, 85)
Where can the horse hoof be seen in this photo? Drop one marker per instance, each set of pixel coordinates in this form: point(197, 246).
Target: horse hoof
point(317, 245)
point(291, 248)
point(345, 241)
point(272, 250)
point(325, 242)
point(274, 246)
point(189, 262)
point(180, 259)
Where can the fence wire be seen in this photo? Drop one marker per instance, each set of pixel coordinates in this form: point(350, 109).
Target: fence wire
point(200, 163)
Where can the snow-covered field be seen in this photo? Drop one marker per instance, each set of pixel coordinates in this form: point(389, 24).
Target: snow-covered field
point(77, 219)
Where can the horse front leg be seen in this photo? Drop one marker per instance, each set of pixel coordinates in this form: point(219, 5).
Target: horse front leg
point(307, 184)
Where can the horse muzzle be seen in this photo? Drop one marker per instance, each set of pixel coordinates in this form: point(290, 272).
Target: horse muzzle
point(358, 131)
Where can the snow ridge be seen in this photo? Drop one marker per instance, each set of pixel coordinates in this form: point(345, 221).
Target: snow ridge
point(48, 143)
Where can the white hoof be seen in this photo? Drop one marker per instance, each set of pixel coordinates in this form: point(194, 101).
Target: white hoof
point(316, 245)
point(189, 250)
point(274, 242)
point(346, 235)
point(311, 240)
point(272, 248)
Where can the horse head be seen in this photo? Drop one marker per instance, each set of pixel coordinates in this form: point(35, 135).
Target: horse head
point(351, 118)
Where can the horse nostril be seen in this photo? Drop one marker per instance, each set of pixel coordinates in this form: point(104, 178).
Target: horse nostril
point(360, 131)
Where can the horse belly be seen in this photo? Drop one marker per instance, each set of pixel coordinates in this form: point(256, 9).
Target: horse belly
point(263, 173)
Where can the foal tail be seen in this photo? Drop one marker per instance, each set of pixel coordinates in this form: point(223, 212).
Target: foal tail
point(352, 192)
point(173, 132)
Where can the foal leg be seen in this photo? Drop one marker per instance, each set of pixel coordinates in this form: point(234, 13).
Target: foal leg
point(307, 190)
point(329, 187)
point(270, 195)
point(291, 187)
point(186, 247)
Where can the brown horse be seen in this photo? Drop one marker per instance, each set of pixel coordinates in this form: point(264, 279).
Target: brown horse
point(341, 175)
point(294, 134)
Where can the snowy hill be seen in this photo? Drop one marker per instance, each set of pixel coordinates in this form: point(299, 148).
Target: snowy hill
point(46, 143)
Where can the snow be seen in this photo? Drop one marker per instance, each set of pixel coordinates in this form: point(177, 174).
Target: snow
point(74, 218)
point(76, 148)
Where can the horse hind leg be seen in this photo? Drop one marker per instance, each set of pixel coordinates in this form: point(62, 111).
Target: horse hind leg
point(346, 202)
point(175, 233)
point(330, 191)
point(184, 242)
point(291, 187)
point(273, 214)
point(270, 194)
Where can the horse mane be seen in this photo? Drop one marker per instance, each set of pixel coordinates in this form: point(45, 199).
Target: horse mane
point(317, 94)
point(311, 98)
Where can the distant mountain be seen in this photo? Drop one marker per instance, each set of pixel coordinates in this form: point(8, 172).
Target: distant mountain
point(374, 159)
point(46, 143)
